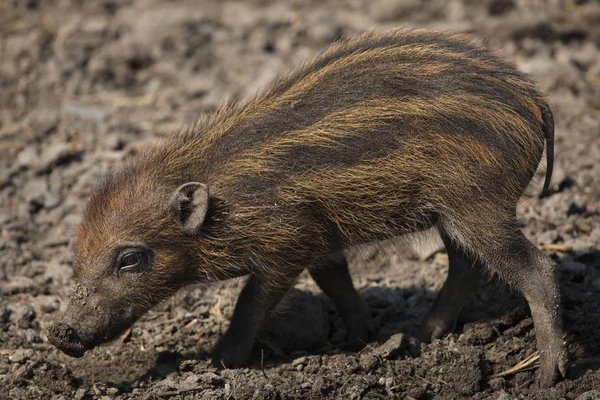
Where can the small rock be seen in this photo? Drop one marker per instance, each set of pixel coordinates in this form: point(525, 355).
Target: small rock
point(83, 111)
point(49, 304)
point(27, 157)
point(23, 315)
point(99, 389)
point(52, 153)
point(548, 237)
point(395, 346)
point(583, 227)
point(115, 142)
point(56, 154)
point(324, 33)
point(386, 10)
point(43, 121)
point(369, 362)
point(211, 378)
point(586, 56)
point(19, 373)
point(478, 334)
point(17, 284)
point(298, 361)
point(34, 192)
point(305, 385)
point(58, 273)
point(591, 395)
point(190, 381)
point(51, 200)
point(185, 366)
point(79, 394)
point(504, 396)
point(112, 391)
point(20, 355)
point(497, 383)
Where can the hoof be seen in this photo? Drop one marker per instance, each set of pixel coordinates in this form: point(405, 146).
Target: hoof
point(434, 329)
point(553, 367)
point(231, 356)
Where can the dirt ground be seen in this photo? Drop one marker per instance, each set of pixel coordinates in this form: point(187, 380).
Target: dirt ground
point(83, 84)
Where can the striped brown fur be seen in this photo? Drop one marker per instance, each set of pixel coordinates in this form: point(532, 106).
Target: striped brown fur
point(379, 136)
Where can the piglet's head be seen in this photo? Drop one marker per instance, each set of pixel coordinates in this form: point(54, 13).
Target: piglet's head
point(135, 248)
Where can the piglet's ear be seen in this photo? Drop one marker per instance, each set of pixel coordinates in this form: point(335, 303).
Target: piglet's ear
point(189, 204)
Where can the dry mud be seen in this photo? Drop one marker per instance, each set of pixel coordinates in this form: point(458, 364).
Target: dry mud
point(83, 84)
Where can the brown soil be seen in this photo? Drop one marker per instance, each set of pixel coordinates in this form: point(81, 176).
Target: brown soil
point(85, 83)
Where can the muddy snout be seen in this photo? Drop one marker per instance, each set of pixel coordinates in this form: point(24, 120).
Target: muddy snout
point(67, 340)
point(82, 325)
point(93, 317)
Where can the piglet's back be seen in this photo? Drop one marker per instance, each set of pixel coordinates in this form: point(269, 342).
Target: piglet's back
point(404, 122)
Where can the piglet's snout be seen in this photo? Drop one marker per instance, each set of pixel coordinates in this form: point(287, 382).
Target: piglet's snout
point(66, 339)
point(74, 334)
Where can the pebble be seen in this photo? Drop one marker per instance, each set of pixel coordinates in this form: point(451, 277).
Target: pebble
point(323, 33)
point(591, 395)
point(79, 394)
point(47, 304)
point(394, 347)
point(504, 396)
point(84, 111)
point(389, 10)
point(583, 227)
point(53, 153)
point(112, 391)
point(20, 355)
point(211, 378)
point(35, 190)
point(298, 361)
point(22, 315)
point(497, 383)
point(27, 157)
point(190, 381)
point(17, 284)
point(548, 237)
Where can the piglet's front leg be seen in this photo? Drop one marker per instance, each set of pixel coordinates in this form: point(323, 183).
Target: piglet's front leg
point(257, 299)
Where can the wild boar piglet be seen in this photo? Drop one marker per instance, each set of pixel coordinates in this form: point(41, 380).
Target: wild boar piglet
point(379, 136)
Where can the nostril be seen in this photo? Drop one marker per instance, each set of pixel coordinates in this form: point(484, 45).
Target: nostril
point(70, 333)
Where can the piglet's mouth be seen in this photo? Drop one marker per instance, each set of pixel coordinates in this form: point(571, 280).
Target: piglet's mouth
point(66, 339)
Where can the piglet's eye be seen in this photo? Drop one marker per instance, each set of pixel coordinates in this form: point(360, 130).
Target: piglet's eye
point(130, 261)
